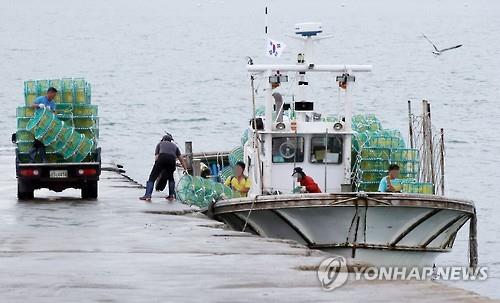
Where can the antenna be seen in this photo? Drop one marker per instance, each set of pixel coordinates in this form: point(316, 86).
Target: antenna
point(266, 22)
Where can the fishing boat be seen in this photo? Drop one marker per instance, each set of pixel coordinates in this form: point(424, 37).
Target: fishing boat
point(347, 155)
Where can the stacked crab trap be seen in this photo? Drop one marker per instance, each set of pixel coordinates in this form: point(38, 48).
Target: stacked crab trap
point(375, 148)
point(71, 133)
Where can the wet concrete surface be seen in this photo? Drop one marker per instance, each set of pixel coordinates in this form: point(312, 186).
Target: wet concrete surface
point(59, 248)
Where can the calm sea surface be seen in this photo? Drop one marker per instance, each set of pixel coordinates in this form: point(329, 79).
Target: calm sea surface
point(180, 66)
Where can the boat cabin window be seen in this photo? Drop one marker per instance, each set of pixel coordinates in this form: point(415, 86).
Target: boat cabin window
point(332, 150)
point(288, 149)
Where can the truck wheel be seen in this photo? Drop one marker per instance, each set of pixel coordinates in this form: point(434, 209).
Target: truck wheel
point(90, 190)
point(24, 190)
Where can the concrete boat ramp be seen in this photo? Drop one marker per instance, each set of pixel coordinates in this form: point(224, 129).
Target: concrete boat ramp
point(118, 249)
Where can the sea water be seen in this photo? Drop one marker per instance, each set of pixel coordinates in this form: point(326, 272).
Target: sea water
point(179, 66)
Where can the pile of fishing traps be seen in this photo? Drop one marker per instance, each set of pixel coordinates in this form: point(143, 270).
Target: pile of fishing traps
point(375, 148)
point(71, 134)
point(201, 192)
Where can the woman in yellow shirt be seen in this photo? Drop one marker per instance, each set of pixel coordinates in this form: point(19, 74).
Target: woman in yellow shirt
point(239, 182)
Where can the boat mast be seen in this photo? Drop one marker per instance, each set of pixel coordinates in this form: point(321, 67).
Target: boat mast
point(307, 32)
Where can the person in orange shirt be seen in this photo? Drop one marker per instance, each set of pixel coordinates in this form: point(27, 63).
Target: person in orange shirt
point(306, 181)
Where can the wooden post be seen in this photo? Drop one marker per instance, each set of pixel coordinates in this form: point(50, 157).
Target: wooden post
point(425, 158)
point(196, 167)
point(410, 125)
point(431, 146)
point(189, 156)
point(442, 161)
point(473, 257)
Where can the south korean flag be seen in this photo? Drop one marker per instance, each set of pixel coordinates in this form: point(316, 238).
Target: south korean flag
point(274, 48)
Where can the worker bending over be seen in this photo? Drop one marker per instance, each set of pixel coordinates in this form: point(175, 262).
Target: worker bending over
point(166, 154)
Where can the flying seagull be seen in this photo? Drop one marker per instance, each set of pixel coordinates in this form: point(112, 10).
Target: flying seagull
point(437, 51)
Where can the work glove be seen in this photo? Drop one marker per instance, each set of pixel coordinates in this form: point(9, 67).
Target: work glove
point(41, 105)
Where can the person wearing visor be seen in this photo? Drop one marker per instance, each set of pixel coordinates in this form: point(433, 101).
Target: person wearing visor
point(166, 154)
point(305, 181)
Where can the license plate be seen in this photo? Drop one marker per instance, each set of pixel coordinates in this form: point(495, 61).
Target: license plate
point(58, 173)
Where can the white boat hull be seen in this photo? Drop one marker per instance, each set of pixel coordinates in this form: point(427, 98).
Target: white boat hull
point(370, 229)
